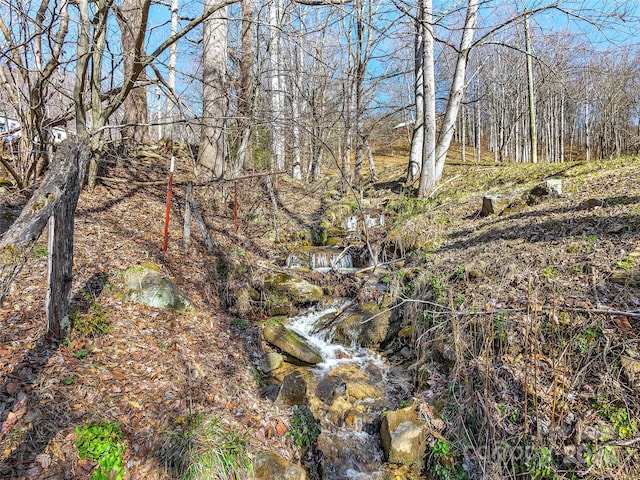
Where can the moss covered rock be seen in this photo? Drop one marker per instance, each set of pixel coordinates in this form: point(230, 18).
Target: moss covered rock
point(289, 342)
point(297, 289)
point(147, 285)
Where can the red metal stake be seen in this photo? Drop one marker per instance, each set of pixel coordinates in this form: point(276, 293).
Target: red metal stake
point(166, 218)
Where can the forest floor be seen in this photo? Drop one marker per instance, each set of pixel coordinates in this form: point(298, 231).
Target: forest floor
point(151, 370)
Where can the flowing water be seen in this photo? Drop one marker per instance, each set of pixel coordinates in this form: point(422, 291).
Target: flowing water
point(348, 391)
point(321, 259)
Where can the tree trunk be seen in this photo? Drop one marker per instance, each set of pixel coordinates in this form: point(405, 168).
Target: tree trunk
point(415, 156)
point(428, 160)
point(132, 29)
point(245, 93)
point(457, 88)
point(60, 243)
point(533, 137)
point(211, 156)
point(173, 60)
point(56, 196)
point(277, 85)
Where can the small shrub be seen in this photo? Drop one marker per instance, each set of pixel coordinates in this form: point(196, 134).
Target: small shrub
point(304, 427)
point(617, 416)
point(93, 323)
point(625, 264)
point(445, 466)
point(102, 442)
point(240, 322)
point(439, 288)
point(459, 272)
point(204, 447)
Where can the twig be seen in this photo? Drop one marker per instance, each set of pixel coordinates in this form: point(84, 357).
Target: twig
point(373, 267)
point(443, 184)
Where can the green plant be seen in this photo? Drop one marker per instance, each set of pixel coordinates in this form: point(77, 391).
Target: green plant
point(304, 428)
point(81, 354)
point(600, 457)
point(549, 272)
point(39, 252)
point(459, 300)
point(102, 442)
point(625, 264)
point(68, 381)
point(459, 272)
point(500, 327)
point(237, 252)
point(257, 376)
point(445, 466)
point(93, 323)
point(201, 448)
point(617, 416)
point(439, 288)
point(541, 465)
point(240, 322)
point(587, 340)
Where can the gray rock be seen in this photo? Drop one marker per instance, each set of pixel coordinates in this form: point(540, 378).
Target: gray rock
point(146, 285)
point(269, 466)
point(293, 390)
point(271, 361)
point(495, 204)
point(329, 388)
point(403, 436)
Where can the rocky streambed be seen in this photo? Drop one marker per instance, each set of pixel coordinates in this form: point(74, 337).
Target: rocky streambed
point(328, 361)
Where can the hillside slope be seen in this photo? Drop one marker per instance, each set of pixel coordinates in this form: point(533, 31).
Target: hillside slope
point(527, 292)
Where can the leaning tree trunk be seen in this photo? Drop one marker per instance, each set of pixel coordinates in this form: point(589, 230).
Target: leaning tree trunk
point(56, 198)
point(457, 88)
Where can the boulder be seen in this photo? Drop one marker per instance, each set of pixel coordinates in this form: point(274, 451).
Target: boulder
point(269, 466)
point(495, 204)
point(293, 390)
point(271, 361)
point(403, 436)
point(291, 343)
point(365, 325)
point(147, 285)
point(361, 384)
point(297, 289)
point(548, 189)
point(329, 388)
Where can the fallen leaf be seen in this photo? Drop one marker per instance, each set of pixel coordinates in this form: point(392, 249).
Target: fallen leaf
point(12, 387)
point(622, 323)
point(281, 428)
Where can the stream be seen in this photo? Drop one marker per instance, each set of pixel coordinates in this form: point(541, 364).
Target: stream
point(347, 391)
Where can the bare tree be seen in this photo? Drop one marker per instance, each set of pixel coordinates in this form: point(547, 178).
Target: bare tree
point(212, 152)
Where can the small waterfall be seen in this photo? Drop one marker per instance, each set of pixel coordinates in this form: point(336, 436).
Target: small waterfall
point(331, 259)
point(349, 442)
point(351, 223)
point(322, 259)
